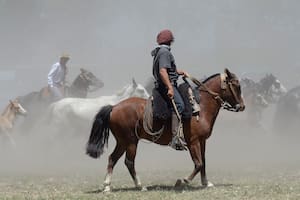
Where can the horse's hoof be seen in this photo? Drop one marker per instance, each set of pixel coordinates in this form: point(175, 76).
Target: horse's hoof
point(208, 184)
point(107, 189)
point(141, 188)
point(181, 183)
point(178, 183)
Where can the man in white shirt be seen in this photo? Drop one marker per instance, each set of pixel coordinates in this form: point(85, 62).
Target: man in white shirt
point(57, 76)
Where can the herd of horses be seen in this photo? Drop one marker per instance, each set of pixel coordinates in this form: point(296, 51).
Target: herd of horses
point(122, 114)
point(269, 91)
point(260, 95)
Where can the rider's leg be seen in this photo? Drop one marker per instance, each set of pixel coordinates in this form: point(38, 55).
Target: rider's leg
point(56, 93)
point(177, 139)
point(178, 100)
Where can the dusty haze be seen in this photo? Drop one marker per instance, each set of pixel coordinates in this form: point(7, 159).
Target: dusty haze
point(113, 39)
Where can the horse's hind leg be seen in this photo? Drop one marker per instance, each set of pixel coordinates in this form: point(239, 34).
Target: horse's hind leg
point(112, 160)
point(129, 162)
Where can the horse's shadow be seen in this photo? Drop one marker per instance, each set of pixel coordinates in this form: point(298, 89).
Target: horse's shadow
point(161, 188)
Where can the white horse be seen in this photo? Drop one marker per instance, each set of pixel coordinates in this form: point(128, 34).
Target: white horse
point(76, 114)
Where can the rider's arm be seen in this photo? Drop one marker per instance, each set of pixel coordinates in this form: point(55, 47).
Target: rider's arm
point(51, 75)
point(165, 79)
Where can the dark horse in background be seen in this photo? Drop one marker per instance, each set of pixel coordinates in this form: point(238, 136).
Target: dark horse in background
point(259, 95)
point(36, 102)
point(125, 121)
point(287, 116)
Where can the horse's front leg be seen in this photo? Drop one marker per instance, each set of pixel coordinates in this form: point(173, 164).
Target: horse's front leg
point(129, 162)
point(195, 153)
point(10, 138)
point(204, 180)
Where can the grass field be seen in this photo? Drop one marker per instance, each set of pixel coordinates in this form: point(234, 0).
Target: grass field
point(242, 184)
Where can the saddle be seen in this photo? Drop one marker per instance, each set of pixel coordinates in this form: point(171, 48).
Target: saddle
point(45, 93)
point(158, 106)
point(162, 105)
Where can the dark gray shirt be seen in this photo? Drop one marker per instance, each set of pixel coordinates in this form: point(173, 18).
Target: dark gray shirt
point(163, 58)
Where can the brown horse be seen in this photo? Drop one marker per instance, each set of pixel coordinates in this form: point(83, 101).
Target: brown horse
point(125, 120)
point(8, 116)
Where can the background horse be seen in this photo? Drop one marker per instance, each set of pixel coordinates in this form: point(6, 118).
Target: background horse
point(271, 88)
point(74, 114)
point(36, 102)
point(125, 120)
point(85, 82)
point(259, 95)
point(287, 115)
point(8, 117)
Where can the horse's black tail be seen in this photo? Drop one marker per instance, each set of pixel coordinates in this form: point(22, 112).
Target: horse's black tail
point(99, 133)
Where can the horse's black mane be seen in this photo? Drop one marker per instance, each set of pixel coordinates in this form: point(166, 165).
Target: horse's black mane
point(212, 76)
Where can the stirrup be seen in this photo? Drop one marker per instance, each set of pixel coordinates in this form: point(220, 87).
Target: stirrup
point(178, 144)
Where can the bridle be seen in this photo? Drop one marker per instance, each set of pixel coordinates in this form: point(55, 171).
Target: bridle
point(225, 83)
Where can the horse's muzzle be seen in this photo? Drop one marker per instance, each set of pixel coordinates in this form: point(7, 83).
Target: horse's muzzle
point(239, 107)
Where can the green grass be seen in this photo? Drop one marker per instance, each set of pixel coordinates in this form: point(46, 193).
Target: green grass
point(257, 184)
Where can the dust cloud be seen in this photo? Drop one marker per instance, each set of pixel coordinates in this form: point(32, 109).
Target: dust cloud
point(113, 39)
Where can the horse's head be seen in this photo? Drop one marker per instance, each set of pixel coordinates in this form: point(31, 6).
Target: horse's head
point(271, 88)
point(136, 90)
point(17, 108)
point(149, 85)
point(231, 94)
point(133, 90)
point(90, 79)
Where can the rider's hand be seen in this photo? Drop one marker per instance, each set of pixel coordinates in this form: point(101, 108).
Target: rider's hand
point(185, 74)
point(170, 93)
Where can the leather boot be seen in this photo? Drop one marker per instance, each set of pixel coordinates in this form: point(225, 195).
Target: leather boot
point(177, 142)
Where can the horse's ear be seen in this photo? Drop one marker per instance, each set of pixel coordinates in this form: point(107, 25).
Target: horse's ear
point(82, 70)
point(134, 83)
point(228, 73)
point(10, 101)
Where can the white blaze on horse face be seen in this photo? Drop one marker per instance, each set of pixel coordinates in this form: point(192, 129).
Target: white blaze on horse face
point(21, 110)
point(277, 90)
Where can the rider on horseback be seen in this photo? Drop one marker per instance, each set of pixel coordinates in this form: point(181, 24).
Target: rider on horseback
point(166, 75)
point(57, 77)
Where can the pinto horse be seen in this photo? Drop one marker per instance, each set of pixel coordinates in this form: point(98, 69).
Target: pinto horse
point(125, 120)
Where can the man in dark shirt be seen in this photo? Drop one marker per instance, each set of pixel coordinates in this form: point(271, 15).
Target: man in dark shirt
point(166, 75)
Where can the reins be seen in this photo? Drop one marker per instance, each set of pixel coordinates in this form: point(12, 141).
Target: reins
point(224, 104)
point(206, 89)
